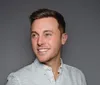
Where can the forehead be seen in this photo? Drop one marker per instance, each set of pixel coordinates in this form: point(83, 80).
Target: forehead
point(48, 23)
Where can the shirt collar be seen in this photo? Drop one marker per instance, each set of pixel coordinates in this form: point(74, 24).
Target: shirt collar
point(38, 64)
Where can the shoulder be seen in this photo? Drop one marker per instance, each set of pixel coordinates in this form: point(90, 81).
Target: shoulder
point(75, 74)
point(71, 68)
point(23, 73)
point(25, 70)
point(73, 71)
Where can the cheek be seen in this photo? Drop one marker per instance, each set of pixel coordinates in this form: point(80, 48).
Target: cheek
point(55, 42)
point(33, 43)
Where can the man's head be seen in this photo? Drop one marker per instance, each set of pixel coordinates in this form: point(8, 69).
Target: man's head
point(43, 13)
point(47, 34)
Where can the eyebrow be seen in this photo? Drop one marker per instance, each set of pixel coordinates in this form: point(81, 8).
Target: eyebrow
point(48, 31)
point(43, 31)
point(33, 32)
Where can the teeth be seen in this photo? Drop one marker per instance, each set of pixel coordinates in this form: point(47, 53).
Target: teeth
point(42, 50)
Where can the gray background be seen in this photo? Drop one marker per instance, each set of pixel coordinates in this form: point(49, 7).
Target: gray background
point(82, 49)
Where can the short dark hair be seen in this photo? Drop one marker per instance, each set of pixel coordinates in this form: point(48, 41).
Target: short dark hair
point(42, 13)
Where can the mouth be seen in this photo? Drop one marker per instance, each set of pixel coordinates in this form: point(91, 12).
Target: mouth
point(42, 50)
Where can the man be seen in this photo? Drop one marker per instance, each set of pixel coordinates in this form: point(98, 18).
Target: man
point(47, 36)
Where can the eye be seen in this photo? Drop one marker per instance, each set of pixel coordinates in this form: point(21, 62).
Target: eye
point(48, 34)
point(34, 35)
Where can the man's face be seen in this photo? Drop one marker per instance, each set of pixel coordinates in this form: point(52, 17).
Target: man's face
point(47, 39)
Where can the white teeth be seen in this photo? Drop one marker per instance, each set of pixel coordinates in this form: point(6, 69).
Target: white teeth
point(42, 50)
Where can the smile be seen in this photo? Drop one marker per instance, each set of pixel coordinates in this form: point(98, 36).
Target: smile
point(43, 50)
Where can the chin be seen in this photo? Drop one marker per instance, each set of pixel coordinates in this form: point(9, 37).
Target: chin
point(43, 60)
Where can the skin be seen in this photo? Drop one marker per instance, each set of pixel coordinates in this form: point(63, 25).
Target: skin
point(47, 41)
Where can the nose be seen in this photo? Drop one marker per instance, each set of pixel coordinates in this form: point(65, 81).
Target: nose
point(40, 40)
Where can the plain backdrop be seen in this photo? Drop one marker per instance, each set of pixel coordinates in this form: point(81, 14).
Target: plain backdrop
point(82, 49)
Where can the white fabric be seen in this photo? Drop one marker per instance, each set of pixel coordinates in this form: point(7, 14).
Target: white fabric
point(38, 74)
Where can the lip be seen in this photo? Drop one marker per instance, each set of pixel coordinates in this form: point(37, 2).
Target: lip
point(42, 50)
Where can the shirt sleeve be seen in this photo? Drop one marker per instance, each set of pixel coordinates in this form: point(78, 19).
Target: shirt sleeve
point(83, 79)
point(12, 80)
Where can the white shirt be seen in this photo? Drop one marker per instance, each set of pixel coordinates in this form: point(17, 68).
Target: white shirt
point(39, 74)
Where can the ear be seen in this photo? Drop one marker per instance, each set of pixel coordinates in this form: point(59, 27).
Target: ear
point(64, 38)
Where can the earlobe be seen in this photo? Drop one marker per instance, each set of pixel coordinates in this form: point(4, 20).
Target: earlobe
point(64, 38)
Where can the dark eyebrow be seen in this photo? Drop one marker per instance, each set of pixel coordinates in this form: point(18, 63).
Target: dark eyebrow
point(44, 31)
point(34, 32)
point(48, 31)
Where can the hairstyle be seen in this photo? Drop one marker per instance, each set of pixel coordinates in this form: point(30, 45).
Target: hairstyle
point(42, 13)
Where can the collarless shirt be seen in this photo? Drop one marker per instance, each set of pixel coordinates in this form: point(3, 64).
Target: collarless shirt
point(40, 74)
